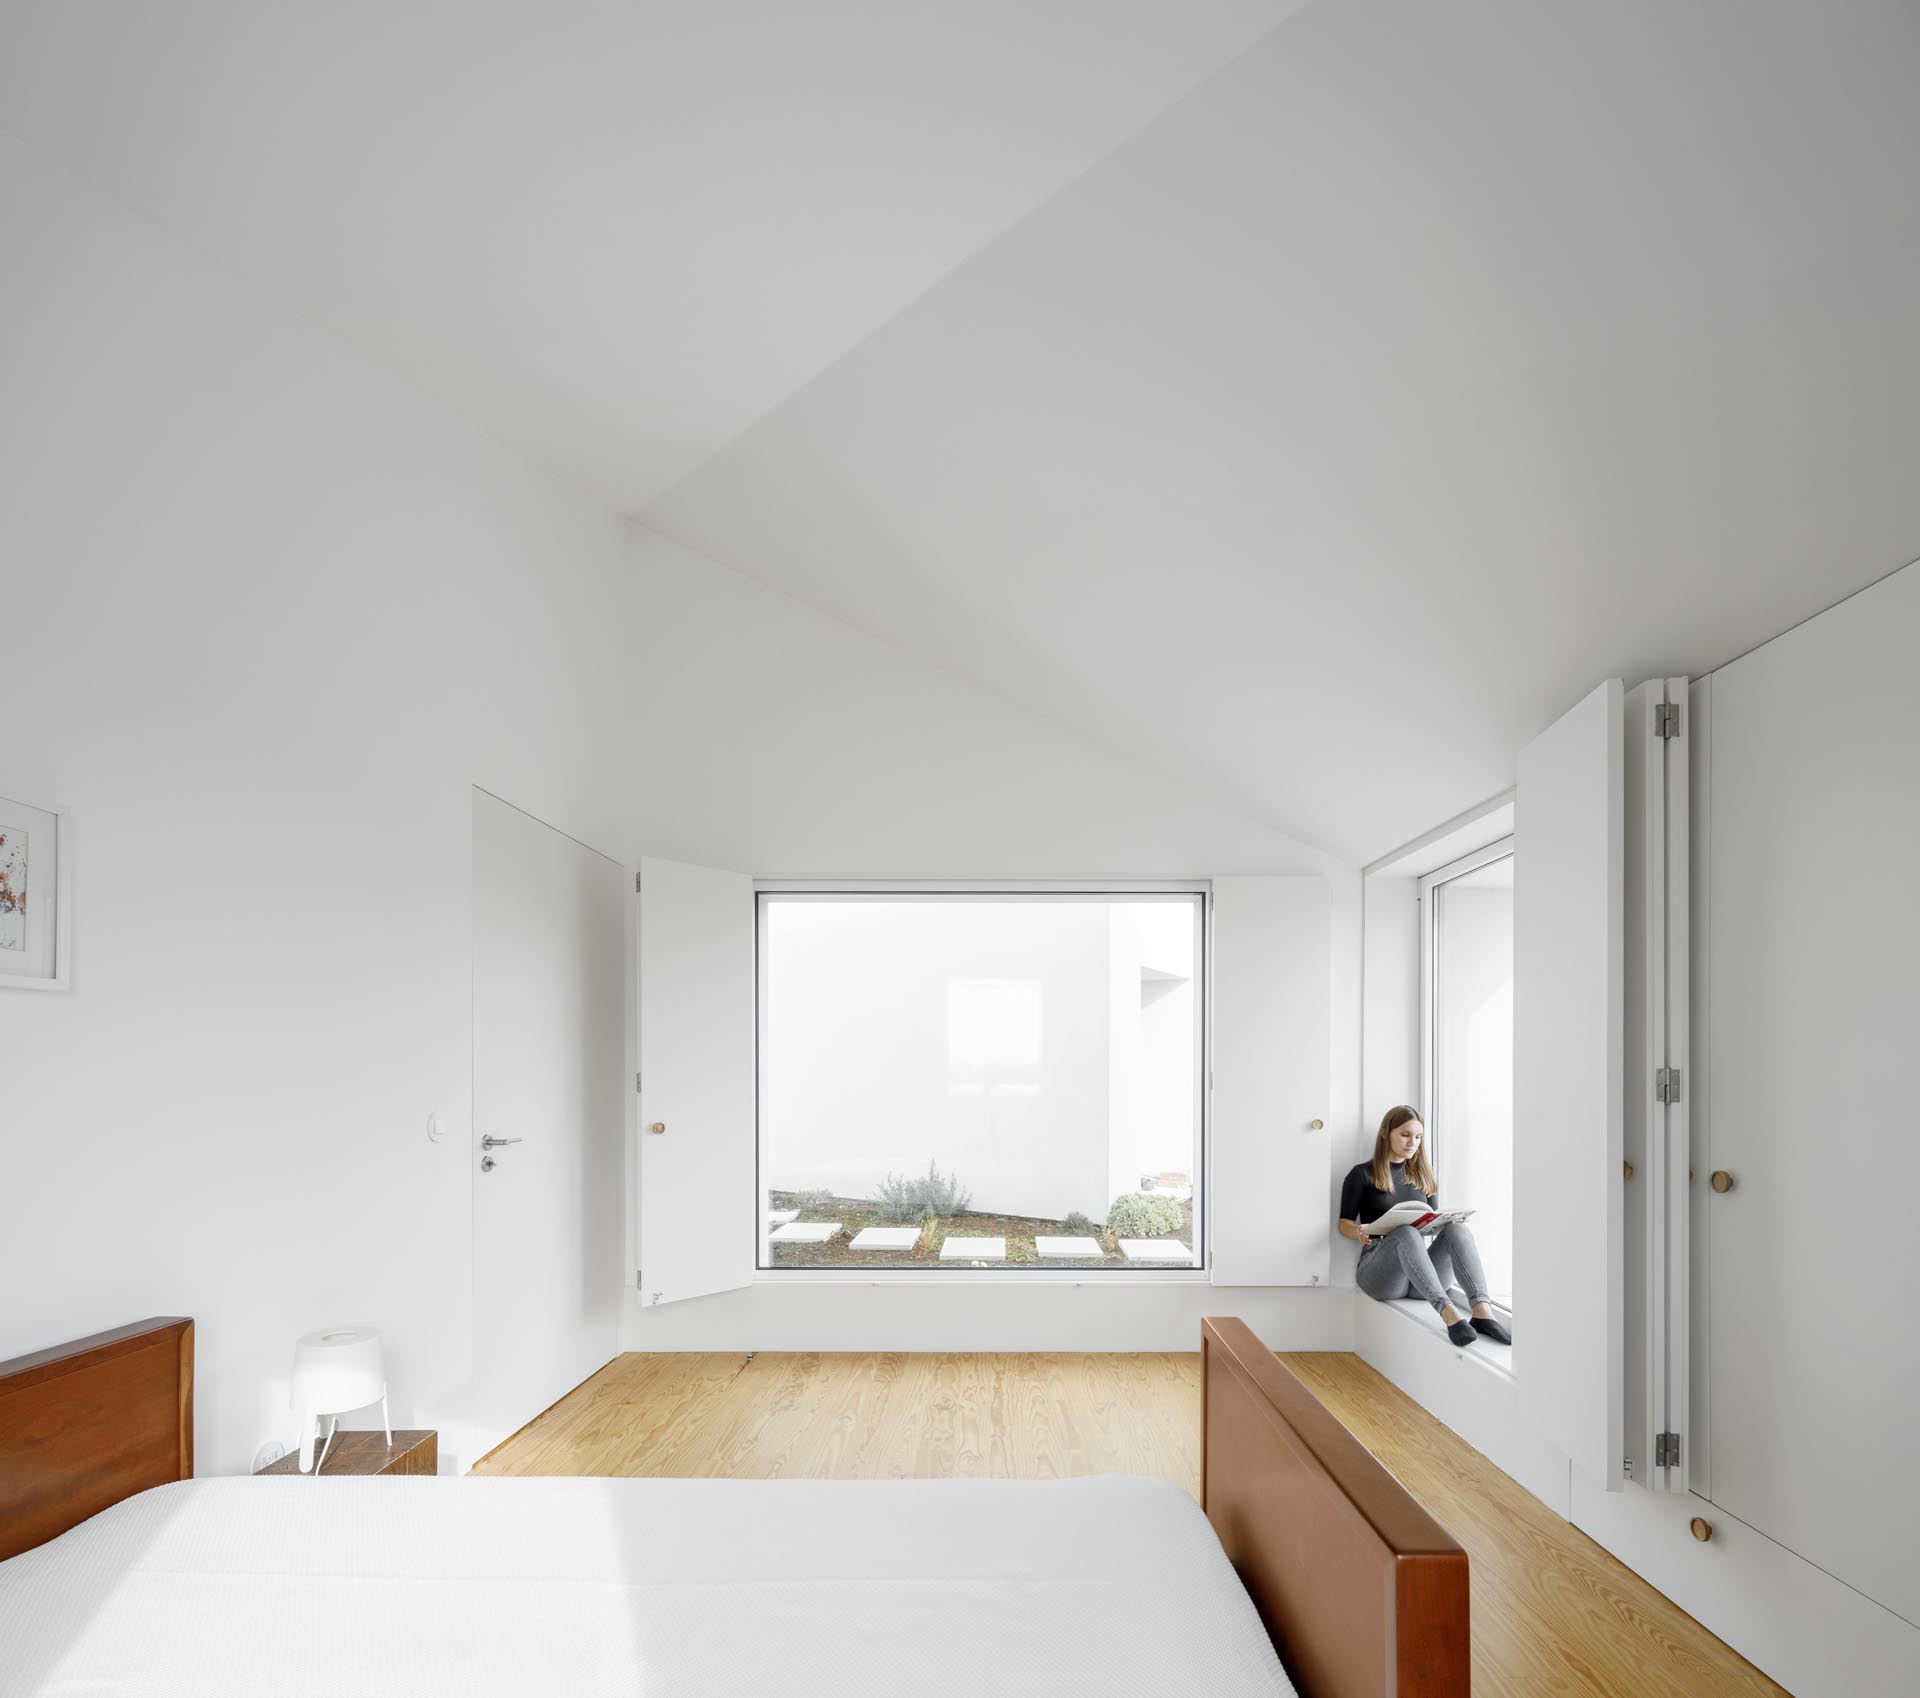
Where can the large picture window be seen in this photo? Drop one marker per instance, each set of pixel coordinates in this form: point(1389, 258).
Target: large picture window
point(1466, 913)
point(982, 1080)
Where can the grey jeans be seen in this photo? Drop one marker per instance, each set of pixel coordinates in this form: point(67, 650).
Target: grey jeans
point(1402, 1264)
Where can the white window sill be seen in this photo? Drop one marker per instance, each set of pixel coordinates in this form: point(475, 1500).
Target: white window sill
point(1483, 1353)
point(1025, 1275)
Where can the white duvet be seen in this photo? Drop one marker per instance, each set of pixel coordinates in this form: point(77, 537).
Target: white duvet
point(497, 1588)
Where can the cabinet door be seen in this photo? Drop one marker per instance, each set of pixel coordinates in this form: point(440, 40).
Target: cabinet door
point(1813, 935)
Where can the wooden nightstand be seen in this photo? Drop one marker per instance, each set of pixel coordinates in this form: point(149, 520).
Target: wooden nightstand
point(414, 1452)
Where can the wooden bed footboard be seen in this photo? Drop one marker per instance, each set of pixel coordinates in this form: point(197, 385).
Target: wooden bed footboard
point(86, 1424)
point(1363, 1593)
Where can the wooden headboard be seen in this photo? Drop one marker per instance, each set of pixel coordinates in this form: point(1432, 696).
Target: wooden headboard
point(86, 1424)
point(1363, 1593)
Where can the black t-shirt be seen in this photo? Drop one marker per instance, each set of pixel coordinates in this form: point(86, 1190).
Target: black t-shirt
point(1362, 1200)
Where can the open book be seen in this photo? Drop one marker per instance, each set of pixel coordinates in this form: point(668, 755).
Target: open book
point(1422, 1217)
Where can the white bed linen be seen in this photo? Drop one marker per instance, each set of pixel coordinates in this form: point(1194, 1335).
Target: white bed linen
point(498, 1588)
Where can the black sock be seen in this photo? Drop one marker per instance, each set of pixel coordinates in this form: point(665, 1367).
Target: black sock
point(1492, 1328)
point(1461, 1333)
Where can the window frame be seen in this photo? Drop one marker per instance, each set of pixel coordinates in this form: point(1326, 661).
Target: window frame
point(1428, 911)
point(1105, 890)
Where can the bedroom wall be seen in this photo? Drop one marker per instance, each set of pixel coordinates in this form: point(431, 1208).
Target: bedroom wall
point(778, 741)
point(269, 614)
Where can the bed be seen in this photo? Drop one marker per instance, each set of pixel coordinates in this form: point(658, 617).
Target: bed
point(1310, 1570)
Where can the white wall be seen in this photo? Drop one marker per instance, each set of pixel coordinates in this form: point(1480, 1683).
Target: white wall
point(778, 741)
point(269, 615)
point(273, 614)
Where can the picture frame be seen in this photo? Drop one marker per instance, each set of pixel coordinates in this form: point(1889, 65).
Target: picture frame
point(36, 894)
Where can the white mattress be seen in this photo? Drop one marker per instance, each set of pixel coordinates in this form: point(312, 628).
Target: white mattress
point(287, 1587)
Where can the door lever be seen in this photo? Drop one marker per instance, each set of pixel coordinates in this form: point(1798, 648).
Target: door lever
point(490, 1142)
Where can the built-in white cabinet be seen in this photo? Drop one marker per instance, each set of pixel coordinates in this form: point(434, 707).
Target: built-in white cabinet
point(1809, 941)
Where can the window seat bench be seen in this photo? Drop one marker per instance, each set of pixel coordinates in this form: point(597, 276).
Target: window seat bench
point(1482, 1352)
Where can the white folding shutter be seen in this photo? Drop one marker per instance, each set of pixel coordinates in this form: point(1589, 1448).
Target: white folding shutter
point(699, 1215)
point(1569, 928)
point(1268, 1189)
point(1657, 1073)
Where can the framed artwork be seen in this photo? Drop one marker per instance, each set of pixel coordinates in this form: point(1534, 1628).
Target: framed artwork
point(36, 887)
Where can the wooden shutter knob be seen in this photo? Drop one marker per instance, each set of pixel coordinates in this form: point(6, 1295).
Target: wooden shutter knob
point(1700, 1529)
point(1722, 1180)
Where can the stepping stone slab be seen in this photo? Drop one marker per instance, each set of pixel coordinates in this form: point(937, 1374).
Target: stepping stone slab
point(1156, 1250)
point(805, 1232)
point(780, 1217)
point(886, 1238)
point(1068, 1246)
point(973, 1250)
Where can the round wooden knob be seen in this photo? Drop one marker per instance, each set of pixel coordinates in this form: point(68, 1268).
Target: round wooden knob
point(1316, 1125)
point(1722, 1180)
point(658, 1126)
point(1626, 1170)
point(1700, 1529)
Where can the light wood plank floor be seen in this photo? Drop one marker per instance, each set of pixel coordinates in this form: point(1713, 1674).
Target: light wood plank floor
point(1553, 1613)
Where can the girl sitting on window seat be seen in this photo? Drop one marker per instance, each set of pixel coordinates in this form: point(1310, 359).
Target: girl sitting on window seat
point(1402, 1263)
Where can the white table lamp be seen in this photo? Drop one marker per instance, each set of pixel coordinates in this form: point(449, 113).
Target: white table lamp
point(334, 1372)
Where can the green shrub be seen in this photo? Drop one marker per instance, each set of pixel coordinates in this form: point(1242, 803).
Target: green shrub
point(1078, 1226)
point(814, 1202)
point(1138, 1215)
point(909, 1199)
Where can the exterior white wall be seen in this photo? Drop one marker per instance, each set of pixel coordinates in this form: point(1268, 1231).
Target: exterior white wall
point(1473, 1141)
point(864, 1071)
point(867, 1057)
point(270, 615)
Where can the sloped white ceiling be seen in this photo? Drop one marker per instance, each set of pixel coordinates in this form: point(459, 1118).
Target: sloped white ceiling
point(1305, 403)
point(614, 231)
point(1431, 364)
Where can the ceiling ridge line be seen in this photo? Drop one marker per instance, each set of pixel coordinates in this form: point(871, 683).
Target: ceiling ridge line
point(972, 257)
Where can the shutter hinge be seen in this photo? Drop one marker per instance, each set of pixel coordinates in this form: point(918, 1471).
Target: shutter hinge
point(1666, 1084)
point(1666, 1450)
point(1666, 719)
point(636, 1082)
point(639, 1280)
point(636, 884)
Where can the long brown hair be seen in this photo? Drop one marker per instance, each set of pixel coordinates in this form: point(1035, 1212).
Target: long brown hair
point(1419, 1169)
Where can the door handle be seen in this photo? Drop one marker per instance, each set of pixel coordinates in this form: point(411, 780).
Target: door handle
point(490, 1142)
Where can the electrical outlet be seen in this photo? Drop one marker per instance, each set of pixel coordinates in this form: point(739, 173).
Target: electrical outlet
point(268, 1454)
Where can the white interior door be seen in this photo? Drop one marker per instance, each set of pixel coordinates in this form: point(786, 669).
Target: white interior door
point(700, 1216)
point(1268, 1193)
point(1813, 938)
point(1568, 1020)
point(549, 1017)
